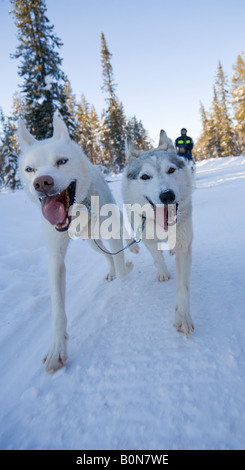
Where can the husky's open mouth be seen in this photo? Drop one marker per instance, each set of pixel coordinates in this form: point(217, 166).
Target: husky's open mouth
point(165, 216)
point(55, 208)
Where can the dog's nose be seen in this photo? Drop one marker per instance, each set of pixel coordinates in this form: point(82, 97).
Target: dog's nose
point(43, 184)
point(167, 197)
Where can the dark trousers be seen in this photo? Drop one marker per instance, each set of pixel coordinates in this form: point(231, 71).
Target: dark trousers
point(186, 155)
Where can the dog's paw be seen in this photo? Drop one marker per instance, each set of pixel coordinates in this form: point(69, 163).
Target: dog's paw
point(57, 356)
point(183, 323)
point(110, 276)
point(135, 248)
point(163, 275)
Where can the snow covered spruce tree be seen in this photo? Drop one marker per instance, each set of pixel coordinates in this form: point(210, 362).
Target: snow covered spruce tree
point(218, 137)
point(238, 100)
point(114, 126)
point(8, 153)
point(201, 147)
point(85, 133)
point(208, 145)
point(9, 148)
point(137, 133)
point(216, 126)
point(88, 123)
point(1, 147)
point(227, 137)
point(95, 151)
point(40, 66)
point(113, 119)
point(215, 139)
point(68, 109)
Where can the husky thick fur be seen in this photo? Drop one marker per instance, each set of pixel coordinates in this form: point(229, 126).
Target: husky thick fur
point(55, 173)
point(160, 177)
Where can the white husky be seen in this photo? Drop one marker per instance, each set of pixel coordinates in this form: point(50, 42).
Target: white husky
point(160, 177)
point(55, 173)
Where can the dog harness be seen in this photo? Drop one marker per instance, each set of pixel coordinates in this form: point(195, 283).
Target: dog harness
point(137, 239)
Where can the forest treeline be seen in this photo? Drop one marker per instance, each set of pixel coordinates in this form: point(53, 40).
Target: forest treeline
point(44, 87)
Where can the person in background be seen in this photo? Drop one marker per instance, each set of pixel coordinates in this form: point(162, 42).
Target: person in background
point(184, 145)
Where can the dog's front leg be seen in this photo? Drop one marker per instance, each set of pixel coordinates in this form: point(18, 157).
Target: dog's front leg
point(57, 355)
point(183, 321)
point(163, 273)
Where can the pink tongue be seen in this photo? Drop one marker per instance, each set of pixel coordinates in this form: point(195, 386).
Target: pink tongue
point(53, 211)
point(161, 215)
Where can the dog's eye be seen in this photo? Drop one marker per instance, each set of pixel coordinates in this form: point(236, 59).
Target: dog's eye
point(171, 170)
point(145, 177)
point(62, 161)
point(29, 169)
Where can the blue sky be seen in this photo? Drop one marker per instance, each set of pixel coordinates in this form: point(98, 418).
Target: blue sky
point(165, 54)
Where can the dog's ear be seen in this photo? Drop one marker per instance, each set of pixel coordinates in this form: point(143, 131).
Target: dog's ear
point(60, 129)
point(24, 136)
point(131, 150)
point(164, 142)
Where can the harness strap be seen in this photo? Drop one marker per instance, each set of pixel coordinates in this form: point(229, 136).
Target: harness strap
point(87, 203)
point(135, 240)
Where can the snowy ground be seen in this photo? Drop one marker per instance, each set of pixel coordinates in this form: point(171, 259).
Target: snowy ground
point(131, 382)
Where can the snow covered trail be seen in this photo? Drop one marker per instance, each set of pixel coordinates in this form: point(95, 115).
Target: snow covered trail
point(131, 382)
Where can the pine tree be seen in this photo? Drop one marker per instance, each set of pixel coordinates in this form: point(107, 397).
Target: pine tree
point(1, 152)
point(85, 131)
point(208, 144)
point(205, 138)
point(113, 118)
point(95, 150)
point(219, 137)
point(88, 130)
point(137, 133)
point(200, 151)
point(226, 134)
point(238, 100)
point(107, 71)
point(9, 148)
point(9, 153)
point(213, 133)
point(215, 127)
point(18, 106)
point(40, 65)
point(68, 109)
point(105, 142)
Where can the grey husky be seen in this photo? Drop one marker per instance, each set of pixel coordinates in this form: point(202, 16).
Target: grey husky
point(159, 177)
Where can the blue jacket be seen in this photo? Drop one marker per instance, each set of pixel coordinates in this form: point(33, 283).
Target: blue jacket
point(184, 146)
